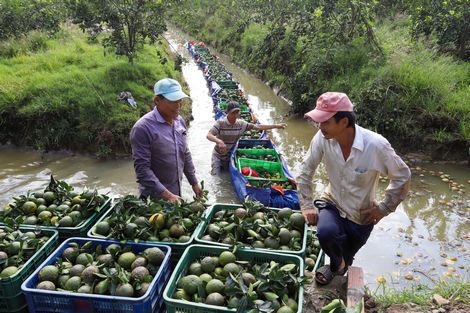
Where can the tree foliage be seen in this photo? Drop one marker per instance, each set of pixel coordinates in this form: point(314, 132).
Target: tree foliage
point(20, 17)
point(127, 24)
point(307, 47)
point(448, 20)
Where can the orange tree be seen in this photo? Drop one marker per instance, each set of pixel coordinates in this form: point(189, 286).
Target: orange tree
point(20, 17)
point(126, 24)
point(448, 21)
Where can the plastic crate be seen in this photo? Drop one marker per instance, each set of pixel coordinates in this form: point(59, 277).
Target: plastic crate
point(232, 207)
point(258, 154)
point(79, 230)
point(177, 248)
point(199, 251)
point(262, 166)
point(223, 106)
point(320, 260)
point(227, 84)
point(252, 143)
point(69, 302)
point(11, 296)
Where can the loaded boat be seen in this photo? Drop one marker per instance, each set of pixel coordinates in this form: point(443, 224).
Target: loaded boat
point(259, 172)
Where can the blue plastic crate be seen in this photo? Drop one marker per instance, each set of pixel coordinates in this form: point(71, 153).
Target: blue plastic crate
point(44, 301)
point(252, 143)
point(11, 296)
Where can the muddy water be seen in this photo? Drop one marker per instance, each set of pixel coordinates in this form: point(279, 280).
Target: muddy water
point(425, 240)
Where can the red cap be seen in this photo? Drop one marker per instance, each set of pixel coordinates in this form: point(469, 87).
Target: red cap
point(328, 104)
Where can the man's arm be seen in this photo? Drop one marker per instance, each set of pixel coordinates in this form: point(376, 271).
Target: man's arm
point(269, 126)
point(399, 175)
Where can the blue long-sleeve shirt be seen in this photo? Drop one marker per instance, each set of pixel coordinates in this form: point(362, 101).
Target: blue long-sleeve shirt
point(161, 155)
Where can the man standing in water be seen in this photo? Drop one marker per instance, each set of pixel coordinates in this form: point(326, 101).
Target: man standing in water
point(226, 132)
point(159, 148)
point(354, 158)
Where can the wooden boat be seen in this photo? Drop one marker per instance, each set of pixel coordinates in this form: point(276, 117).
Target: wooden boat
point(259, 172)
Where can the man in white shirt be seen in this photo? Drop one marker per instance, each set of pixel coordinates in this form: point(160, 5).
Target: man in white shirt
point(354, 158)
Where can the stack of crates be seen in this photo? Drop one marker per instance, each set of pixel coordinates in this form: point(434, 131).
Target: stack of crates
point(245, 254)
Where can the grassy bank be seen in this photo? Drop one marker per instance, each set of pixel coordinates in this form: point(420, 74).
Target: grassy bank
point(450, 296)
point(61, 93)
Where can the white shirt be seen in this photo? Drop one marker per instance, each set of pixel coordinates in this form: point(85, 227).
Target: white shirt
point(353, 183)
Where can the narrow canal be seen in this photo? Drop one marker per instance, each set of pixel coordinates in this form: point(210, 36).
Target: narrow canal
point(425, 240)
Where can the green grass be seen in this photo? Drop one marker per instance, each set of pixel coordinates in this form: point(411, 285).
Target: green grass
point(63, 95)
point(457, 292)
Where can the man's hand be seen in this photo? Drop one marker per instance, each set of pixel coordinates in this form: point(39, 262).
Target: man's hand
point(310, 215)
point(222, 147)
point(171, 197)
point(198, 191)
point(372, 215)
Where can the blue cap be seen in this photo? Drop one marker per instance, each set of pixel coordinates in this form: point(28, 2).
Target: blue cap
point(170, 89)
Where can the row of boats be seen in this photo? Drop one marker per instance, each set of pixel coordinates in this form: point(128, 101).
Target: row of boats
point(257, 168)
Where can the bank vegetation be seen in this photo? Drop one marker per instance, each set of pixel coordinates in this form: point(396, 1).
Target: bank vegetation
point(403, 63)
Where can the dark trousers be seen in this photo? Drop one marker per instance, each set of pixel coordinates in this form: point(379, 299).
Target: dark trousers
point(339, 237)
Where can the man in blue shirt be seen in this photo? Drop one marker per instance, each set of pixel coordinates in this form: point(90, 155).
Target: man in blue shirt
point(159, 148)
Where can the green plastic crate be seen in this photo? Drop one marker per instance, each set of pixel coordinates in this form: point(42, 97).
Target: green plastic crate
point(202, 50)
point(199, 251)
point(320, 260)
point(79, 230)
point(11, 297)
point(232, 207)
point(263, 166)
point(177, 248)
point(258, 154)
point(227, 84)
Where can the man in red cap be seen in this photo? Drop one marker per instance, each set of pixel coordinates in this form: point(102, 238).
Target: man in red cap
point(354, 158)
